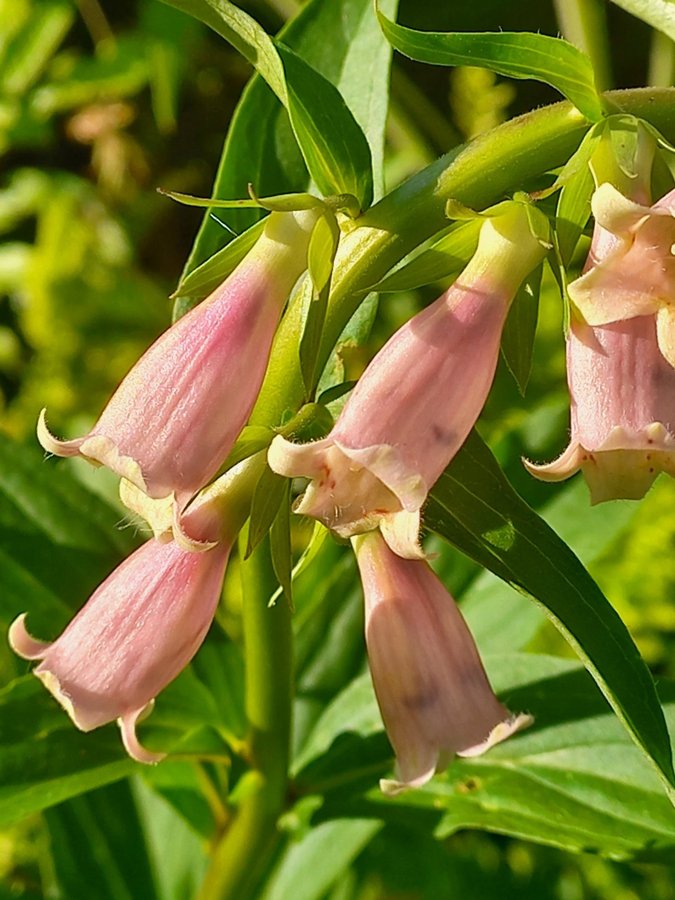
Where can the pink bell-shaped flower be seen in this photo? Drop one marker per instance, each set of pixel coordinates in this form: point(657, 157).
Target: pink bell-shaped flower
point(622, 386)
point(622, 399)
point(174, 418)
point(433, 693)
point(418, 399)
point(636, 277)
point(140, 628)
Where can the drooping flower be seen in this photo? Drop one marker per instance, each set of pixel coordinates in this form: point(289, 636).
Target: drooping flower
point(418, 399)
point(175, 416)
point(433, 693)
point(622, 399)
point(636, 277)
point(622, 387)
point(141, 627)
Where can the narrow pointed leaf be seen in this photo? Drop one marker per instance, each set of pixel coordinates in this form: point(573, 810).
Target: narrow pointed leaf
point(520, 328)
point(332, 143)
point(515, 54)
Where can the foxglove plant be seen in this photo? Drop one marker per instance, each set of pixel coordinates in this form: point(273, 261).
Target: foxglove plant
point(431, 687)
point(176, 415)
point(621, 380)
point(418, 399)
point(142, 625)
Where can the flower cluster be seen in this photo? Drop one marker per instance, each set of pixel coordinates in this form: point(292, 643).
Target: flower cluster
point(166, 431)
point(173, 420)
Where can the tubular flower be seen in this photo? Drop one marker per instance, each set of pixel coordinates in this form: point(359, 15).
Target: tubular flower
point(622, 387)
point(637, 276)
point(175, 416)
point(432, 690)
point(418, 399)
point(139, 629)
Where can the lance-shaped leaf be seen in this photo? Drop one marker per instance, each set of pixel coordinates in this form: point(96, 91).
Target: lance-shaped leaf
point(332, 143)
point(515, 54)
point(475, 508)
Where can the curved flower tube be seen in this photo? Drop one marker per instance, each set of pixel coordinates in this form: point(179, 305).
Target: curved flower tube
point(433, 693)
point(175, 416)
point(418, 399)
point(141, 627)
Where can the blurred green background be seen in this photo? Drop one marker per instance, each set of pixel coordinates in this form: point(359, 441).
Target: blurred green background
point(103, 102)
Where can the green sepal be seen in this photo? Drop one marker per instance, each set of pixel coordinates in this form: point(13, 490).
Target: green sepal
point(520, 328)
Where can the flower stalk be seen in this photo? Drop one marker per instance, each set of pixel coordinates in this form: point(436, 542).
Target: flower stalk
point(241, 855)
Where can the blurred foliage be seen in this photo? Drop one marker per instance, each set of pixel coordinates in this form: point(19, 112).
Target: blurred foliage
point(101, 102)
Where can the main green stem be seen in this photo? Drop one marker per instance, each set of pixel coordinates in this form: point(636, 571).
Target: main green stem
point(242, 854)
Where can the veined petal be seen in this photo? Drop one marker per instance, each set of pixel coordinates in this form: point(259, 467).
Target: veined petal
point(138, 630)
point(176, 415)
point(417, 400)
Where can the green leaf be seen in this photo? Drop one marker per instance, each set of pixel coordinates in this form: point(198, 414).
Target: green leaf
point(501, 618)
point(245, 35)
point(280, 545)
point(520, 329)
point(43, 758)
point(573, 780)
point(443, 257)
point(573, 211)
point(310, 867)
point(31, 50)
point(252, 439)
point(115, 866)
point(333, 146)
point(260, 147)
point(177, 854)
point(267, 498)
point(659, 14)
point(476, 509)
point(515, 54)
point(279, 203)
point(320, 258)
point(58, 539)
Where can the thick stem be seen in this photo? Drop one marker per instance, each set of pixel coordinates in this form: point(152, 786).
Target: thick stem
point(477, 174)
point(241, 856)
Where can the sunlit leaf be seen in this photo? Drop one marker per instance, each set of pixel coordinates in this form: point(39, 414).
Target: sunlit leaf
point(516, 54)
